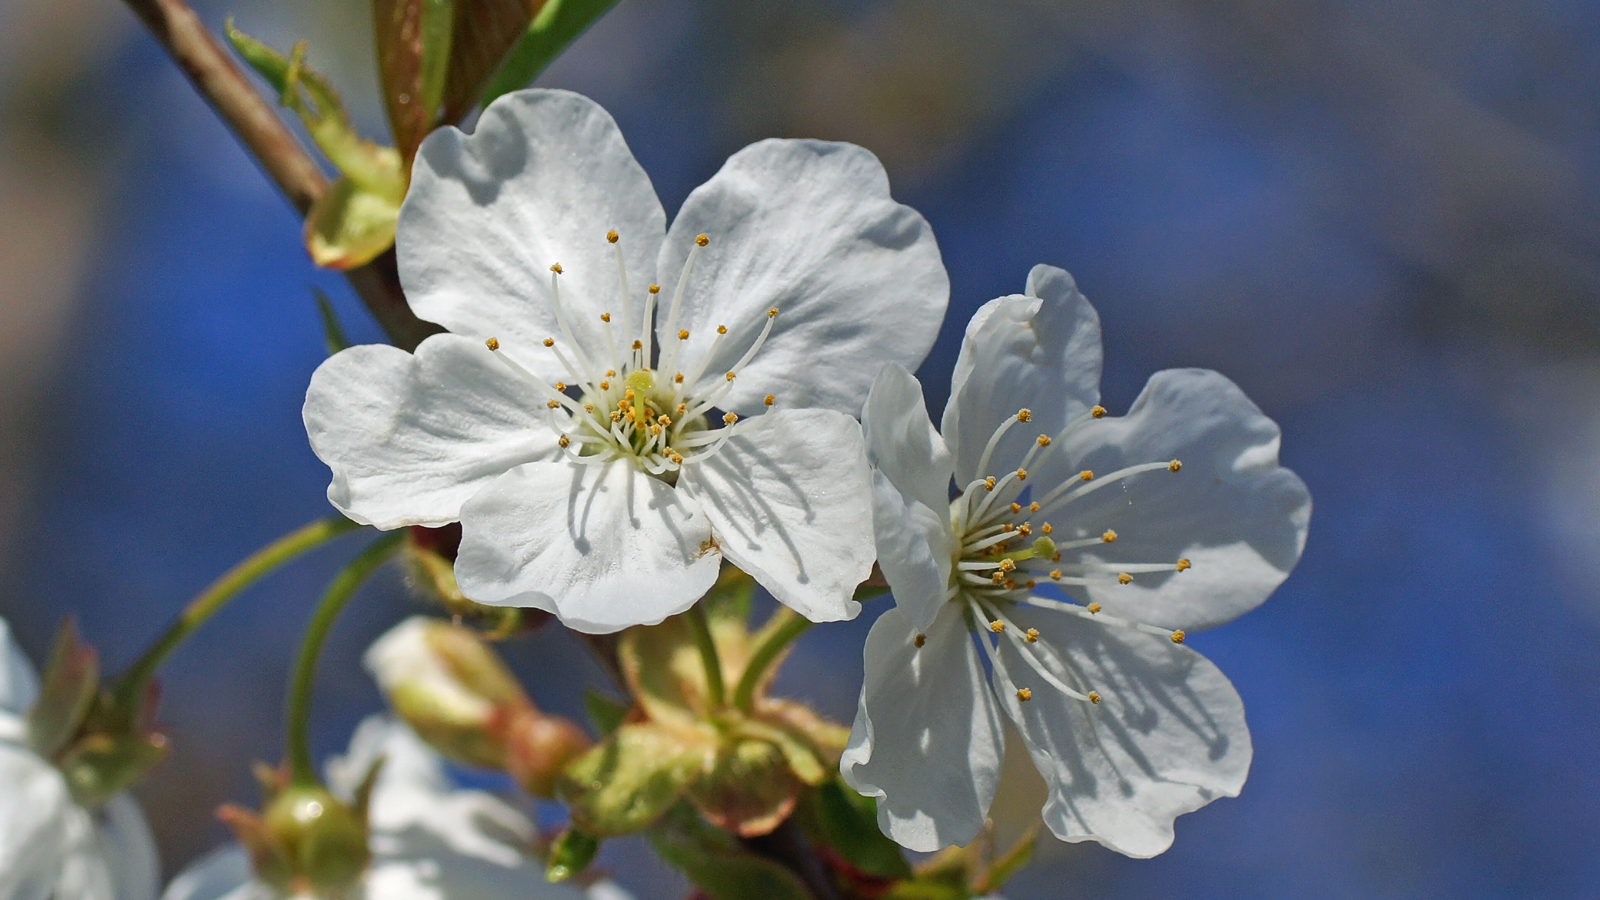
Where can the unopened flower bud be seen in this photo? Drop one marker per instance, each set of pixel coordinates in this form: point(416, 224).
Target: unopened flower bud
point(539, 747)
point(324, 840)
point(449, 687)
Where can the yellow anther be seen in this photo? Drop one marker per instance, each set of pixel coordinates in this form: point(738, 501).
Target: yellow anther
point(1024, 415)
point(919, 640)
point(655, 289)
point(677, 378)
point(1055, 574)
point(663, 420)
point(638, 345)
point(1183, 564)
point(1008, 565)
point(552, 403)
point(997, 578)
point(675, 456)
point(997, 626)
point(616, 416)
point(1031, 635)
point(556, 268)
point(1086, 475)
point(492, 343)
point(1024, 529)
point(1024, 694)
point(729, 376)
point(588, 407)
point(702, 240)
point(548, 342)
point(1178, 636)
point(1124, 578)
point(605, 385)
point(1046, 528)
point(1022, 474)
point(682, 408)
point(1011, 584)
point(605, 317)
point(683, 334)
point(560, 386)
point(563, 441)
point(1174, 466)
point(612, 373)
point(1094, 696)
point(1008, 527)
point(655, 429)
point(1098, 412)
point(772, 312)
point(1094, 608)
point(769, 399)
point(729, 418)
point(1109, 536)
point(988, 483)
point(722, 329)
point(1034, 507)
point(1043, 440)
point(1029, 584)
point(1055, 557)
point(1016, 507)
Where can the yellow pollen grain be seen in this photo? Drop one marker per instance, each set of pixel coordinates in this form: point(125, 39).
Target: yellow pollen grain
point(1055, 574)
point(1094, 608)
point(722, 329)
point(655, 429)
point(560, 385)
point(769, 399)
point(1046, 528)
point(1086, 475)
point(492, 343)
point(1174, 466)
point(605, 317)
point(1008, 565)
point(1043, 440)
point(1124, 578)
point(997, 578)
point(588, 407)
point(552, 403)
point(1034, 507)
point(702, 240)
point(1094, 696)
point(655, 288)
point(1024, 529)
point(605, 385)
point(1032, 635)
point(611, 237)
point(548, 342)
point(997, 626)
point(682, 408)
point(556, 268)
point(1011, 584)
point(1029, 584)
point(683, 334)
point(1183, 564)
point(677, 378)
point(638, 345)
point(1024, 694)
point(1008, 527)
point(729, 376)
point(1178, 636)
point(729, 418)
point(1098, 412)
point(988, 483)
point(563, 441)
point(1016, 507)
point(616, 416)
point(663, 420)
point(919, 640)
point(612, 373)
point(1022, 474)
point(772, 312)
point(1056, 556)
point(675, 456)
point(1024, 415)
point(1109, 536)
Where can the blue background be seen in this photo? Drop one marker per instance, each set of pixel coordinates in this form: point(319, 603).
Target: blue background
point(1379, 219)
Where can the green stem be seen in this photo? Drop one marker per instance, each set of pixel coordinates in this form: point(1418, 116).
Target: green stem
point(131, 684)
point(696, 617)
point(297, 746)
point(786, 625)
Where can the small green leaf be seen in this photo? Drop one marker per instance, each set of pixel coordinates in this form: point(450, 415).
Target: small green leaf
point(606, 714)
point(632, 777)
point(848, 822)
point(268, 63)
point(70, 681)
point(718, 867)
point(332, 331)
point(571, 853)
point(558, 24)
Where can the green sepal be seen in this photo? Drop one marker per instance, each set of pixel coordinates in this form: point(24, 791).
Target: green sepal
point(97, 766)
point(558, 24)
point(606, 714)
point(67, 690)
point(268, 63)
point(848, 824)
point(718, 866)
point(332, 332)
point(625, 783)
point(571, 852)
point(349, 225)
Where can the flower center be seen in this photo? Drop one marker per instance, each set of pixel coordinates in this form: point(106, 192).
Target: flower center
point(621, 402)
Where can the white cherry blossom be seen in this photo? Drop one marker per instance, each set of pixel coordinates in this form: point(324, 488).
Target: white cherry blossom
point(1058, 587)
point(428, 840)
point(604, 441)
point(50, 847)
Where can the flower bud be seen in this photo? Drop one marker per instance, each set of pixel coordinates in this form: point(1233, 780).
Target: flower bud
point(539, 747)
point(323, 840)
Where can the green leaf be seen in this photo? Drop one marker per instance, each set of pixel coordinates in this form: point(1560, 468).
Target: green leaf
point(332, 331)
point(70, 681)
point(268, 63)
point(606, 714)
point(413, 38)
point(848, 823)
point(571, 853)
point(719, 867)
point(631, 778)
point(558, 24)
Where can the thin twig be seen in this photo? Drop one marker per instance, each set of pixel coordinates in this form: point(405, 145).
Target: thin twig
point(255, 123)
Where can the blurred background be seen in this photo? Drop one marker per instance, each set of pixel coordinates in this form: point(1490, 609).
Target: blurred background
point(1381, 218)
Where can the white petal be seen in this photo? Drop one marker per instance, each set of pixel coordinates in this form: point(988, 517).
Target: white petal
point(409, 764)
point(212, 877)
point(807, 227)
point(1040, 352)
point(1167, 738)
point(127, 849)
point(410, 438)
point(901, 440)
point(1232, 511)
point(35, 816)
point(927, 737)
point(19, 685)
point(914, 546)
point(790, 502)
point(602, 546)
point(542, 178)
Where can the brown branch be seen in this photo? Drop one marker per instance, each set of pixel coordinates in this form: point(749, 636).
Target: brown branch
point(255, 123)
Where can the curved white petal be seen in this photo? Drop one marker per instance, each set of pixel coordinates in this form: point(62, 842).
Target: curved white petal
point(1231, 510)
point(1167, 738)
point(127, 849)
point(218, 874)
point(807, 227)
point(901, 441)
point(914, 547)
point(542, 178)
point(37, 821)
point(410, 437)
point(927, 738)
point(409, 764)
point(19, 684)
point(790, 502)
point(602, 546)
point(1039, 351)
